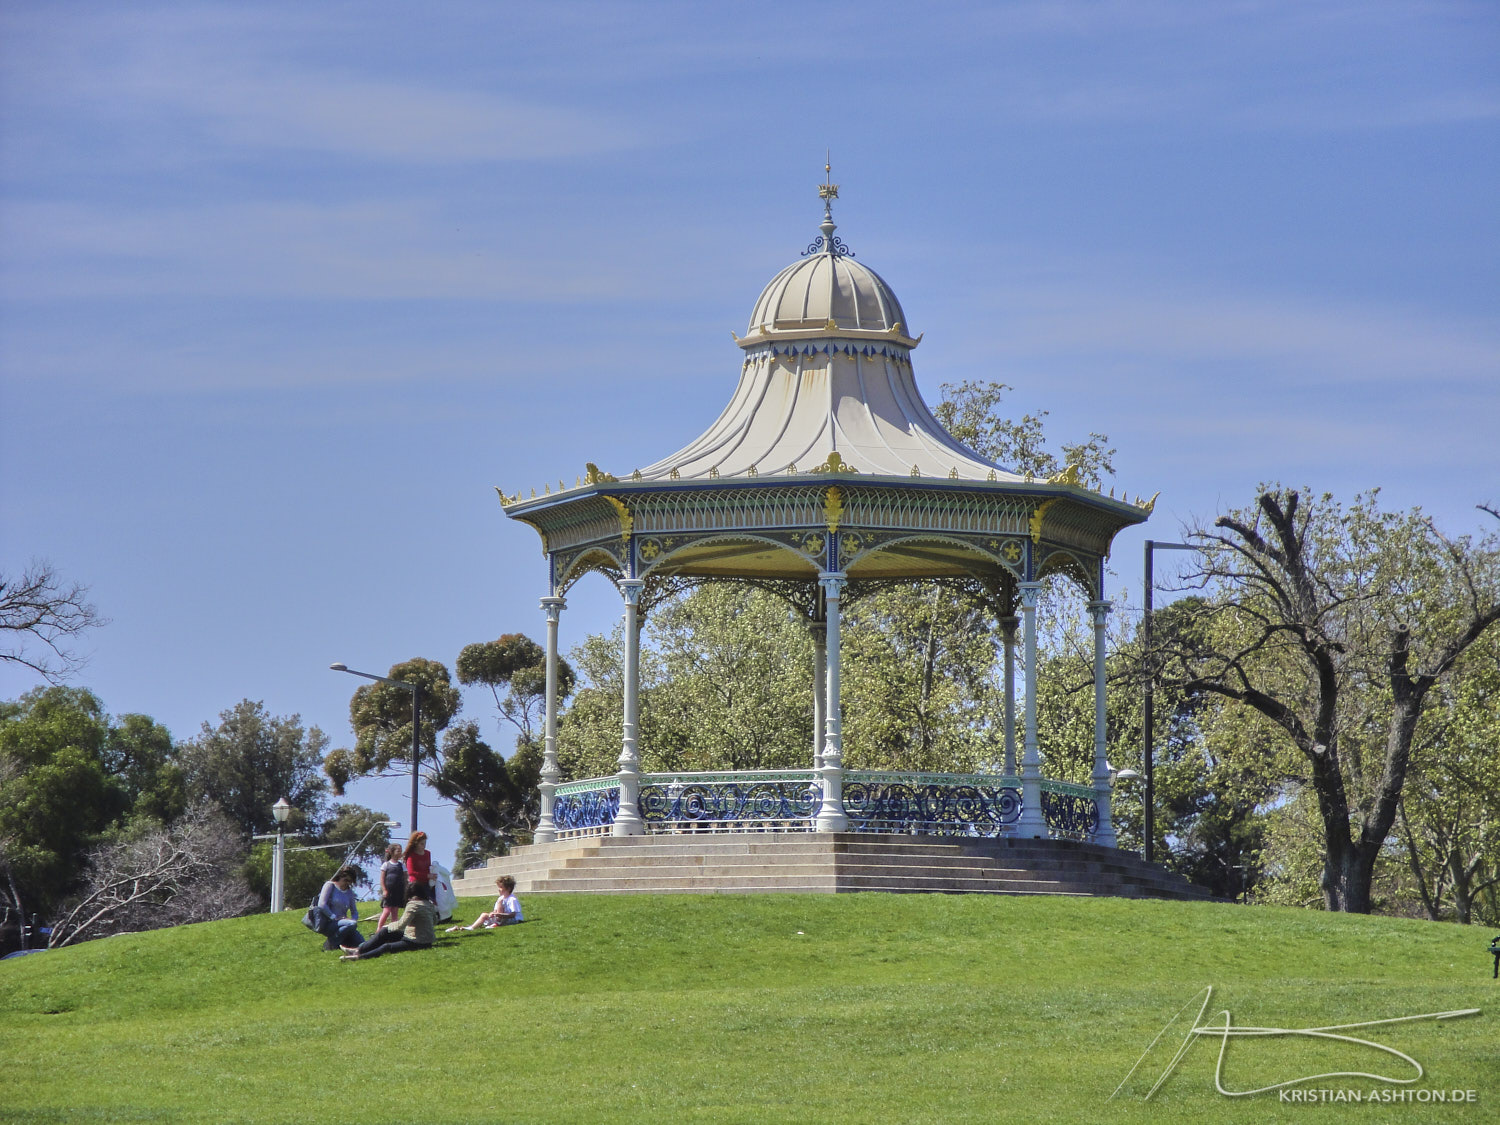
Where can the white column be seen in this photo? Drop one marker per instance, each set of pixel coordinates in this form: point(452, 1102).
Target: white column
point(628, 820)
point(546, 826)
point(1008, 636)
point(831, 816)
point(1102, 782)
point(1032, 823)
point(819, 633)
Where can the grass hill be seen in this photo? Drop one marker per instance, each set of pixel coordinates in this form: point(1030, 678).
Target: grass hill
point(778, 1008)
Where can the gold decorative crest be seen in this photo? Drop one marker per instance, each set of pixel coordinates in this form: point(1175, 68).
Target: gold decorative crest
point(627, 523)
point(1067, 476)
point(1036, 518)
point(595, 475)
point(833, 508)
point(835, 464)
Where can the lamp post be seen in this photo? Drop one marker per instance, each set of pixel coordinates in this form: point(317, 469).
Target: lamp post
point(1148, 799)
point(280, 810)
point(416, 726)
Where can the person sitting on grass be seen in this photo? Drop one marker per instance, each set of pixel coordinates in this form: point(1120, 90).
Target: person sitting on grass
point(507, 910)
point(337, 899)
point(413, 930)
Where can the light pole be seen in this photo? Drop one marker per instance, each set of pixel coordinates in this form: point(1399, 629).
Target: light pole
point(416, 726)
point(280, 810)
point(1148, 757)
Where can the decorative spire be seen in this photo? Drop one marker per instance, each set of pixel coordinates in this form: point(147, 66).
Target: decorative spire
point(827, 190)
point(826, 243)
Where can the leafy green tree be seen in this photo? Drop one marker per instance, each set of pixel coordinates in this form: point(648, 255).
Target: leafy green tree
point(920, 670)
point(514, 669)
point(141, 755)
point(381, 717)
point(58, 796)
point(1336, 625)
point(1450, 811)
point(251, 760)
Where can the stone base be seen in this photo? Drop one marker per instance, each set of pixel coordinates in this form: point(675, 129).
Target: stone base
point(826, 863)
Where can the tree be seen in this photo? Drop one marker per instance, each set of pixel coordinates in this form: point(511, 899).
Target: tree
point(251, 760)
point(499, 801)
point(380, 715)
point(1336, 625)
point(41, 615)
point(516, 663)
point(159, 877)
point(56, 792)
point(1450, 811)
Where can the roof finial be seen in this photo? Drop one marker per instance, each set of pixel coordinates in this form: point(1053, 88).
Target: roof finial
point(827, 190)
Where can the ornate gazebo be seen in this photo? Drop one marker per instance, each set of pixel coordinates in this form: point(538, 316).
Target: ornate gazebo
point(824, 478)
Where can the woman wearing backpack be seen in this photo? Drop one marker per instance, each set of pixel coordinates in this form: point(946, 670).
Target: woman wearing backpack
point(392, 885)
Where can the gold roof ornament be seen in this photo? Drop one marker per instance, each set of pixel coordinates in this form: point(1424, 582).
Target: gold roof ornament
point(636, 475)
point(833, 508)
point(1149, 505)
point(835, 464)
point(915, 471)
point(595, 475)
point(953, 473)
point(1036, 518)
point(1068, 476)
point(675, 475)
point(713, 470)
point(627, 522)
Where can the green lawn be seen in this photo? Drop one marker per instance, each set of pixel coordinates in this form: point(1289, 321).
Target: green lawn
point(818, 1008)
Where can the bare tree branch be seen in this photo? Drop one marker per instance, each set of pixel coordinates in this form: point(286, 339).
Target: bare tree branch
point(40, 616)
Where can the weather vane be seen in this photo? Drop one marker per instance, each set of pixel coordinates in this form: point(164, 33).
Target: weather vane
point(828, 191)
point(828, 242)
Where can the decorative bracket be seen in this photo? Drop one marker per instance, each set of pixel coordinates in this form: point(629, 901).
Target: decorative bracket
point(833, 508)
point(1036, 519)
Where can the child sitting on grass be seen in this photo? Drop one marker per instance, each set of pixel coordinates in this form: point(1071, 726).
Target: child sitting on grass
point(507, 910)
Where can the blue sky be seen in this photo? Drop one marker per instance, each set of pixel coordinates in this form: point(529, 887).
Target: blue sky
point(285, 289)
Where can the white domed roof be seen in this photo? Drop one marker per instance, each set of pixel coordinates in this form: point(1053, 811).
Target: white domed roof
point(823, 287)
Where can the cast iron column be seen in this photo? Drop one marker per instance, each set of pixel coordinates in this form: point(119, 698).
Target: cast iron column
point(628, 820)
point(546, 826)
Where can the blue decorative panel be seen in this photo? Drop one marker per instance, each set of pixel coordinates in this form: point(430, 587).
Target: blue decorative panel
point(932, 809)
point(593, 809)
point(721, 801)
point(1070, 815)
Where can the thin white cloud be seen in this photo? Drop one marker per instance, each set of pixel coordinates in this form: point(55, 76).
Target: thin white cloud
point(1337, 343)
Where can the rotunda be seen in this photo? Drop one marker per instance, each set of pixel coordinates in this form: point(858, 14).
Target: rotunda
point(824, 477)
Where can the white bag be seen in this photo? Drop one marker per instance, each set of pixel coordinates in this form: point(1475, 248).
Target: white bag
point(446, 900)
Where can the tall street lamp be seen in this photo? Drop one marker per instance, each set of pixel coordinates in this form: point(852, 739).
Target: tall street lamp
point(416, 726)
point(280, 810)
point(1148, 756)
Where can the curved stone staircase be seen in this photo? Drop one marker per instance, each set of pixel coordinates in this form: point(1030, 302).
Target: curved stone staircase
point(826, 863)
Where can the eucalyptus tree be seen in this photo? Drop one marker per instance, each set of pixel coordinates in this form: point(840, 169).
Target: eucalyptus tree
point(1335, 625)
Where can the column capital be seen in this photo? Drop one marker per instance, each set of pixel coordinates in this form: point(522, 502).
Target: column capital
point(553, 607)
point(1009, 624)
point(819, 631)
point(1030, 592)
point(630, 589)
point(833, 582)
point(1100, 611)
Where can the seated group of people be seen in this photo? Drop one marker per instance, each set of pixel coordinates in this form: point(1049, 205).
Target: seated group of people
point(408, 913)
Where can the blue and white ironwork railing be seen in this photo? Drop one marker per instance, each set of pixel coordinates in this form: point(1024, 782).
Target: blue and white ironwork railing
point(586, 808)
point(930, 804)
point(731, 801)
